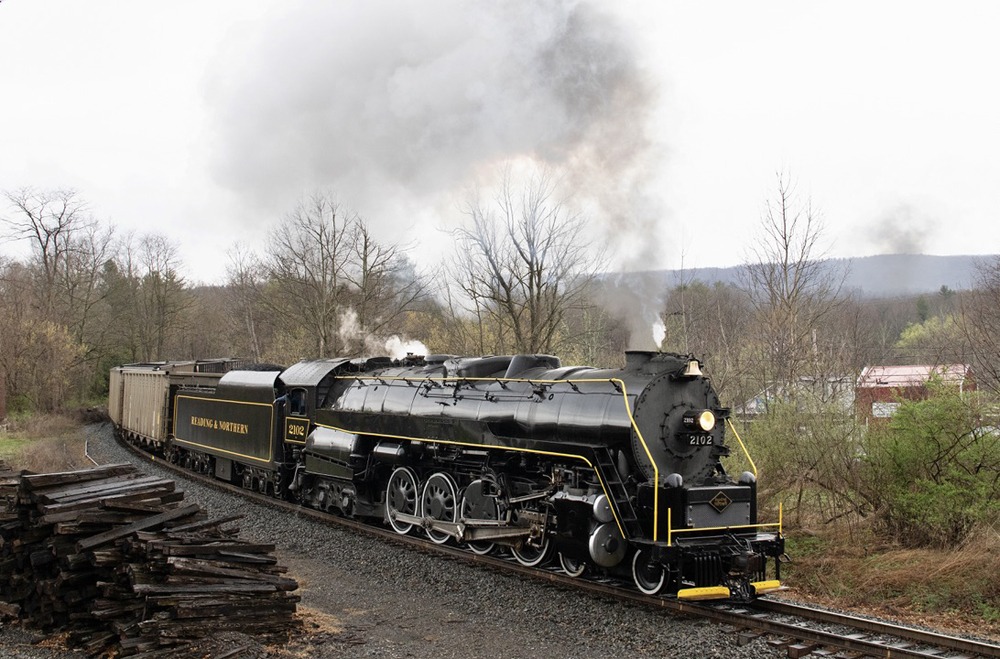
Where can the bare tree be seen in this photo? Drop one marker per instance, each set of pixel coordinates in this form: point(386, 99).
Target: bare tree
point(246, 275)
point(36, 354)
point(791, 290)
point(598, 336)
point(49, 220)
point(307, 259)
point(68, 252)
point(383, 282)
point(164, 297)
point(980, 323)
point(522, 264)
point(710, 321)
point(81, 281)
point(147, 294)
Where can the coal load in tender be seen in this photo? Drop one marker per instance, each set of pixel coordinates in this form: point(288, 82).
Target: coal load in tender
point(116, 559)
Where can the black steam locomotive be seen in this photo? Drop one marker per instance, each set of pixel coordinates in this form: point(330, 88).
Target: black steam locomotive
point(615, 471)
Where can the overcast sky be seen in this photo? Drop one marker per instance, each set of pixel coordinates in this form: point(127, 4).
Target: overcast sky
point(207, 120)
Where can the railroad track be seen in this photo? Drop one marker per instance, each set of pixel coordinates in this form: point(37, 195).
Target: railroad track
point(801, 630)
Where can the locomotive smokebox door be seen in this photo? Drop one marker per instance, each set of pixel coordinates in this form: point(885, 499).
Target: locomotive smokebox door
point(680, 427)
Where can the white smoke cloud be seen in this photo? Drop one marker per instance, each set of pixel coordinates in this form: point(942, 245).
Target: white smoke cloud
point(354, 335)
point(659, 333)
point(399, 105)
point(397, 347)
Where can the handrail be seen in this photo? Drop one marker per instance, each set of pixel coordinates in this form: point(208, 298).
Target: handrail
point(742, 446)
point(619, 384)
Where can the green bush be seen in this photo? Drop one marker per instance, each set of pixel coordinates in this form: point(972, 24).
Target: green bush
point(933, 470)
point(806, 450)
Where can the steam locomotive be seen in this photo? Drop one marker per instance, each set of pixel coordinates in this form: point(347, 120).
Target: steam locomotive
point(613, 471)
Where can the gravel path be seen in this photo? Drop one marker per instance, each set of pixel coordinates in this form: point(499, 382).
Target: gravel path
point(365, 598)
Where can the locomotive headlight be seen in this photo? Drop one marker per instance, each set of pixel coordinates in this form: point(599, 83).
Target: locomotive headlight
point(704, 420)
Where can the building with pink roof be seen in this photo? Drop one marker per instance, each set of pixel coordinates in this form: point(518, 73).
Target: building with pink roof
point(879, 388)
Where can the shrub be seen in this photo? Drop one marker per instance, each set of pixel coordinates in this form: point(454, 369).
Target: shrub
point(933, 469)
point(807, 452)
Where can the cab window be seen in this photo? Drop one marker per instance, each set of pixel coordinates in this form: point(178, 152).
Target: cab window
point(297, 402)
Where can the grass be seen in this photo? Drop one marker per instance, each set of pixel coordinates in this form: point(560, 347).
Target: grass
point(957, 588)
point(43, 443)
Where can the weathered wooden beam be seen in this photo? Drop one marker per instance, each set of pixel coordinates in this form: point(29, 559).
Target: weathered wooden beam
point(46, 480)
point(148, 523)
point(207, 524)
point(94, 492)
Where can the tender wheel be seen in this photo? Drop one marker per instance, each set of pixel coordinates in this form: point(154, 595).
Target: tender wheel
point(476, 505)
point(531, 555)
point(648, 576)
point(440, 502)
point(401, 497)
point(572, 566)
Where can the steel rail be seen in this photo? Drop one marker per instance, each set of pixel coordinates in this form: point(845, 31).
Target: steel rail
point(904, 641)
point(911, 634)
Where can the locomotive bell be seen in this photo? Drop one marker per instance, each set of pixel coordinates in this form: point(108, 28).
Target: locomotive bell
point(692, 369)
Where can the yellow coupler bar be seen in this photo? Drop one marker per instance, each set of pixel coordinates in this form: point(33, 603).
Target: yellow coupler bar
point(706, 593)
point(761, 587)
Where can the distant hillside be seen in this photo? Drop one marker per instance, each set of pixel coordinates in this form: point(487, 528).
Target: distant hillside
point(885, 275)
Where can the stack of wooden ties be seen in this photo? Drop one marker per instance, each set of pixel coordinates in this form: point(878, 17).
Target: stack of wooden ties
point(115, 558)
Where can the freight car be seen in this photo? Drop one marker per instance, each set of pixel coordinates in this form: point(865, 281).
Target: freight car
point(616, 471)
point(140, 396)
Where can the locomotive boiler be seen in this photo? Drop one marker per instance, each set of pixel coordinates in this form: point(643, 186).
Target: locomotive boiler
point(616, 471)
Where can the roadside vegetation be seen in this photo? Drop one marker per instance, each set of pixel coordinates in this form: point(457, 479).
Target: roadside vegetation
point(955, 588)
point(44, 442)
point(901, 518)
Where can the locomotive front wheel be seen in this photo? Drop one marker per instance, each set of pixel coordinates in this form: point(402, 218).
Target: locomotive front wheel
point(648, 576)
point(439, 501)
point(401, 497)
point(531, 555)
point(572, 566)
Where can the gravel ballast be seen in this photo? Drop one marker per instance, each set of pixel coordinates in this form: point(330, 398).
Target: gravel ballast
point(362, 597)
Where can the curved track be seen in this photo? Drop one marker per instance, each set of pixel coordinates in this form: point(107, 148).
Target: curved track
point(800, 629)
